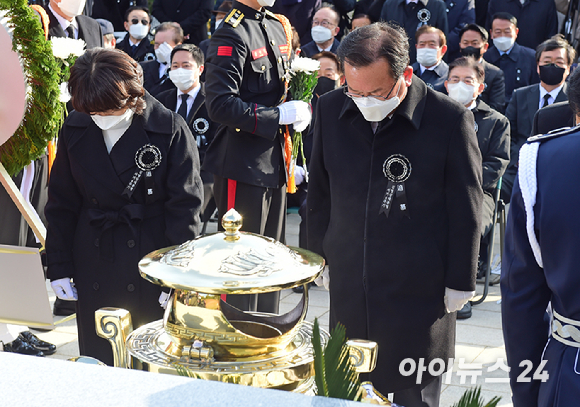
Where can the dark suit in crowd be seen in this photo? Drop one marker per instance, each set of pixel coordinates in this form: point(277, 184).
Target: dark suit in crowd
point(459, 13)
point(89, 29)
point(407, 16)
point(114, 11)
point(518, 66)
point(192, 16)
point(520, 112)
point(553, 117)
point(537, 19)
point(435, 78)
point(494, 93)
point(310, 49)
point(299, 13)
point(152, 82)
point(143, 52)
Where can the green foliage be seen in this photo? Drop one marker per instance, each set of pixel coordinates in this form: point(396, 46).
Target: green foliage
point(333, 372)
point(472, 398)
point(301, 88)
point(44, 113)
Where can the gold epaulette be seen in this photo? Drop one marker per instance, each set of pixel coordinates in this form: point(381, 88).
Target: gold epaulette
point(270, 14)
point(234, 18)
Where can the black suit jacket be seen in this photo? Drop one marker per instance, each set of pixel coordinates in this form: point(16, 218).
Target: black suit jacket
point(114, 10)
point(553, 117)
point(198, 111)
point(192, 16)
point(144, 51)
point(310, 49)
point(89, 30)
point(436, 78)
point(151, 80)
point(494, 92)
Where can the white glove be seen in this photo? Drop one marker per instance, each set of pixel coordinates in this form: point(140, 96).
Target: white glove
point(455, 300)
point(163, 53)
point(64, 289)
point(299, 175)
point(295, 112)
point(324, 279)
point(164, 299)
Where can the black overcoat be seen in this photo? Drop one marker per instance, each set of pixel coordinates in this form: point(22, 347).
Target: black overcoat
point(97, 236)
point(388, 275)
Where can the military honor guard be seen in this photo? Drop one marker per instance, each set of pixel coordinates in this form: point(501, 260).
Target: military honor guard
point(246, 70)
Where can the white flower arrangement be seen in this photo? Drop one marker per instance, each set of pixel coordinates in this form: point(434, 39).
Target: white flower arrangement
point(307, 65)
point(63, 48)
point(64, 96)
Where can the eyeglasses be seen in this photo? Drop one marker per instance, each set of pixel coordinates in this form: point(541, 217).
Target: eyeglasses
point(143, 21)
point(324, 23)
point(467, 81)
point(377, 97)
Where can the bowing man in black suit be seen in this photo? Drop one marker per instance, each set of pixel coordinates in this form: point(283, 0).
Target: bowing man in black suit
point(66, 20)
point(137, 42)
point(155, 73)
point(188, 99)
point(473, 42)
point(431, 46)
point(554, 58)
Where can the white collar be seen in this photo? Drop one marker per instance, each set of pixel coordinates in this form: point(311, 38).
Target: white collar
point(413, 1)
point(554, 93)
point(472, 105)
point(64, 23)
point(133, 43)
point(423, 69)
point(193, 93)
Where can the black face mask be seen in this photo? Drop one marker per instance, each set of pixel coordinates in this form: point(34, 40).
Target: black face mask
point(324, 85)
point(551, 74)
point(471, 52)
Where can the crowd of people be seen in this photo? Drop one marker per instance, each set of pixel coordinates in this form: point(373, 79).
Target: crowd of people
point(421, 108)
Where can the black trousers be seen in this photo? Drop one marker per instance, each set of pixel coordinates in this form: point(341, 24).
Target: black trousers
point(264, 212)
point(420, 395)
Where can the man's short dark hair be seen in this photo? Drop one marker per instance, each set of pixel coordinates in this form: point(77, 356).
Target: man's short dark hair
point(331, 8)
point(502, 15)
point(427, 29)
point(106, 79)
point(477, 28)
point(194, 50)
point(142, 8)
point(556, 42)
point(329, 55)
point(171, 26)
point(574, 91)
point(471, 63)
point(367, 44)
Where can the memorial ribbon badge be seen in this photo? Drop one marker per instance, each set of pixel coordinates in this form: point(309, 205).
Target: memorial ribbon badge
point(147, 158)
point(397, 169)
point(201, 126)
point(423, 16)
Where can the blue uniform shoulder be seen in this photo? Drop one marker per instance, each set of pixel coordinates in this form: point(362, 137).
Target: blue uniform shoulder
point(564, 131)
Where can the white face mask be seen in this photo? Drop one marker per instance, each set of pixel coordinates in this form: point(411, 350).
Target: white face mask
point(111, 122)
point(218, 23)
point(266, 3)
point(503, 43)
point(427, 56)
point(183, 78)
point(461, 92)
point(138, 31)
point(163, 53)
point(375, 110)
point(72, 8)
point(320, 34)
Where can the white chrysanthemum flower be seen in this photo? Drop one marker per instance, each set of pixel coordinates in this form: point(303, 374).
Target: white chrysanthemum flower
point(64, 47)
point(64, 96)
point(305, 65)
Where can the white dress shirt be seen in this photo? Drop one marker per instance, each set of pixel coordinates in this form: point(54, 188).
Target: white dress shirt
point(192, 93)
point(64, 23)
point(553, 95)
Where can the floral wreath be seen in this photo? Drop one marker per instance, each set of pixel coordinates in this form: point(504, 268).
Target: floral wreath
point(44, 111)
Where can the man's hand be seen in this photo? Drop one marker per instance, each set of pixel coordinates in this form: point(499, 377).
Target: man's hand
point(64, 289)
point(455, 300)
point(295, 112)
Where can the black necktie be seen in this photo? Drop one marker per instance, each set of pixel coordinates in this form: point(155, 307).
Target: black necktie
point(546, 97)
point(183, 108)
point(133, 50)
point(70, 32)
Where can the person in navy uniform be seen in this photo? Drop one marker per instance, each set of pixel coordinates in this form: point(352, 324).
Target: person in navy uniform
point(137, 43)
point(540, 269)
point(430, 67)
point(517, 62)
point(459, 13)
point(412, 14)
point(246, 67)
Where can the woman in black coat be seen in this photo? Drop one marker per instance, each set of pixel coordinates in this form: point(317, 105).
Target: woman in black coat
point(103, 217)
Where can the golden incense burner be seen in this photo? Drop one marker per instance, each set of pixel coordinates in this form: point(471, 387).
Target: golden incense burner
point(212, 339)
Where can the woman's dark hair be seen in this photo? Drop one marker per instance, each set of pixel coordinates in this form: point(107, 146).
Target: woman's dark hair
point(471, 63)
point(574, 91)
point(367, 44)
point(102, 80)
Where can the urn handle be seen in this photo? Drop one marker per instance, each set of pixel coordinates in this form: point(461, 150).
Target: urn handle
point(114, 324)
point(363, 354)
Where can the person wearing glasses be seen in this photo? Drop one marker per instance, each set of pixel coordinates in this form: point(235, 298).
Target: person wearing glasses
point(137, 42)
point(324, 30)
point(400, 229)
